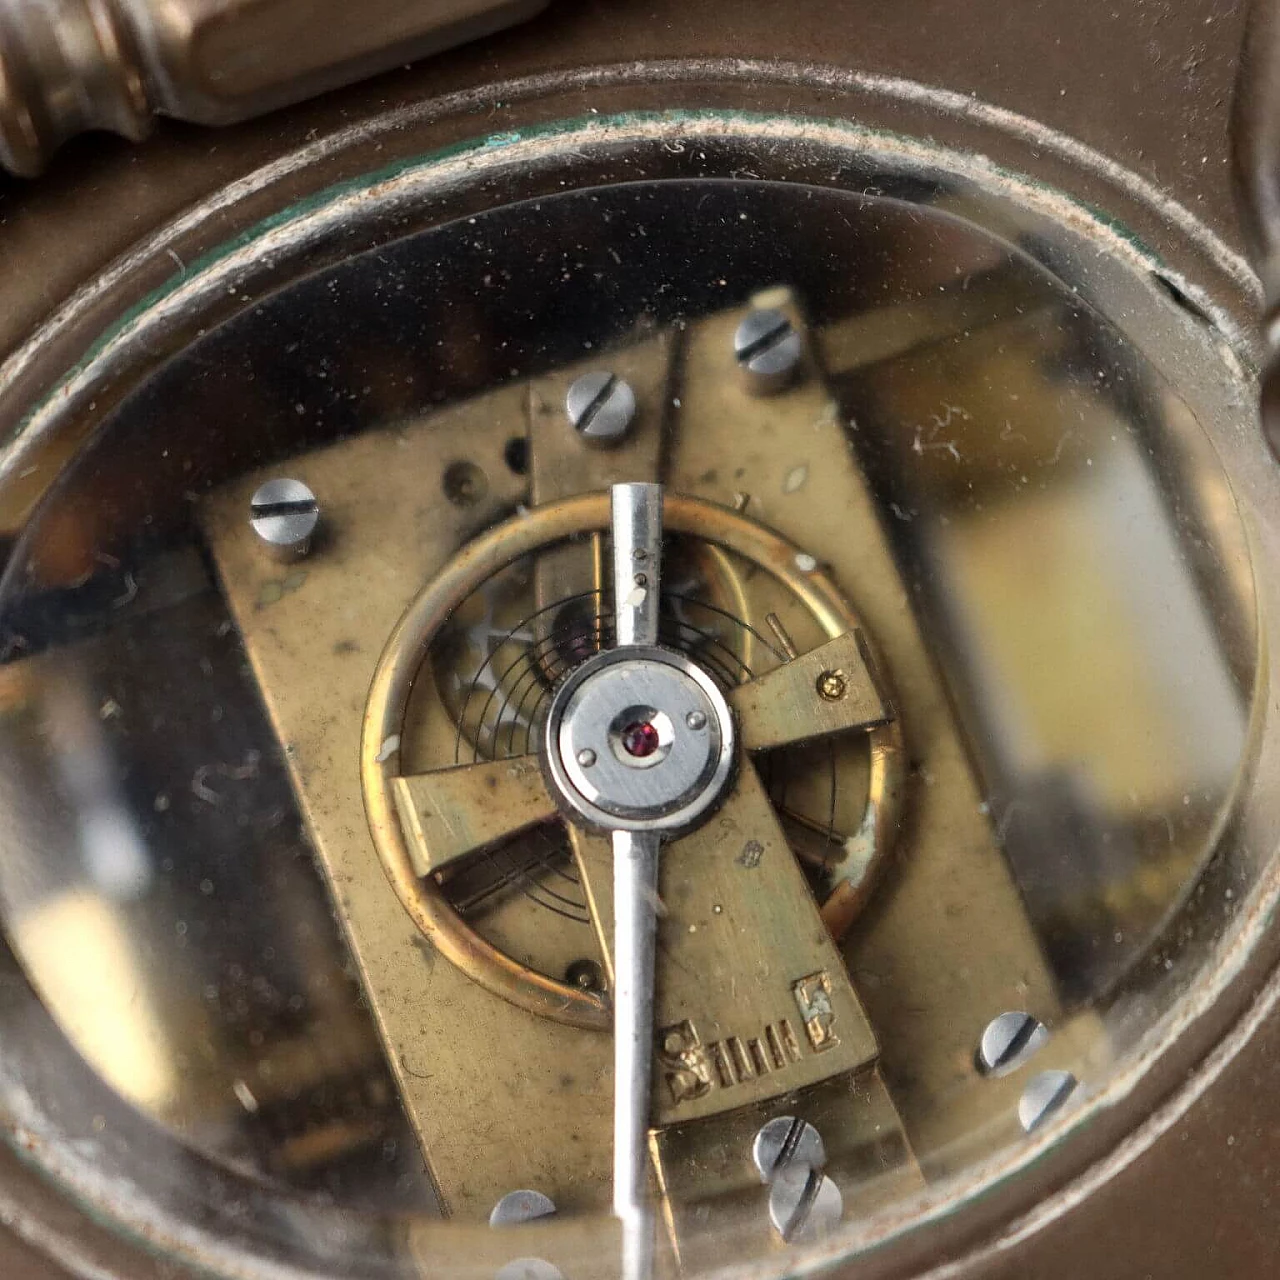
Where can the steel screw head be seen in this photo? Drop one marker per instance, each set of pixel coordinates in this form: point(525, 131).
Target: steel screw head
point(804, 1204)
point(521, 1206)
point(785, 1142)
point(1008, 1041)
point(601, 407)
point(768, 350)
point(1043, 1096)
point(696, 720)
point(284, 514)
point(586, 757)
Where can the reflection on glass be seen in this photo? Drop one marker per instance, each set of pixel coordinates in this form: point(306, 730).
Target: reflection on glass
point(1023, 514)
point(1077, 596)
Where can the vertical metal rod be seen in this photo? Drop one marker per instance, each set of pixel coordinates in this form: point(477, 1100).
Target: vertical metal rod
point(635, 889)
point(637, 561)
point(636, 526)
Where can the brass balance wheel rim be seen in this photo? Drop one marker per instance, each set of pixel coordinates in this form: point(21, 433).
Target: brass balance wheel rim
point(406, 650)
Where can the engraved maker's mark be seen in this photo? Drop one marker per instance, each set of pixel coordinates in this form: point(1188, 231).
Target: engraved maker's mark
point(813, 999)
point(692, 1069)
point(686, 1063)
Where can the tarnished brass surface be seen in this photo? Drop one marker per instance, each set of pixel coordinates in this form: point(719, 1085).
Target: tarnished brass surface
point(384, 723)
point(562, 466)
point(830, 689)
point(449, 813)
point(752, 998)
point(321, 627)
point(292, 630)
point(927, 989)
point(706, 1164)
point(792, 472)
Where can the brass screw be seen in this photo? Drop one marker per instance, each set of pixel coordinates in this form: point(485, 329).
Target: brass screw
point(832, 685)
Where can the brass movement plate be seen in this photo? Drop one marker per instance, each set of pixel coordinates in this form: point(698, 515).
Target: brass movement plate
point(752, 999)
point(313, 634)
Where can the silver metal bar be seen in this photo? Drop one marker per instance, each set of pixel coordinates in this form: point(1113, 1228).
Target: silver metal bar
point(637, 561)
point(635, 895)
point(636, 519)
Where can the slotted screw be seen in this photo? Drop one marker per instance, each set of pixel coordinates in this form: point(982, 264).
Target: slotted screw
point(1008, 1041)
point(601, 406)
point(785, 1141)
point(768, 350)
point(284, 514)
point(1044, 1095)
point(521, 1206)
point(804, 1204)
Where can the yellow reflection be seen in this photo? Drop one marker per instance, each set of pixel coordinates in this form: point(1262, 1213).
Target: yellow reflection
point(1088, 629)
point(78, 951)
